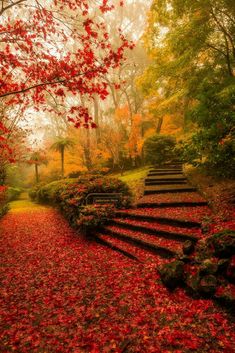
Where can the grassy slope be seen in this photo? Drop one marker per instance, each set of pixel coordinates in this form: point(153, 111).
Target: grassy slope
point(24, 204)
point(135, 180)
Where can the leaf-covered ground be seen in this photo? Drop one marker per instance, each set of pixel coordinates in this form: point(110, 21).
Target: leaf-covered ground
point(60, 293)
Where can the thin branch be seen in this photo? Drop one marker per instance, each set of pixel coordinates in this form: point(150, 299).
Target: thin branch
point(225, 32)
point(11, 5)
point(45, 84)
point(216, 49)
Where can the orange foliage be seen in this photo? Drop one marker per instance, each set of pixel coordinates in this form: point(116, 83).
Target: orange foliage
point(172, 124)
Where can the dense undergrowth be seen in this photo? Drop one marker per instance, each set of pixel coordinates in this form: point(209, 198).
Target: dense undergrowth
point(3, 200)
point(70, 196)
point(218, 191)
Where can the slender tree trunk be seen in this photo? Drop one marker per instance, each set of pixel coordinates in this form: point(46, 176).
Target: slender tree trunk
point(159, 125)
point(96, 119)
point(36, 173)
point(87, 150)
point(2, 174)
point(62, 162)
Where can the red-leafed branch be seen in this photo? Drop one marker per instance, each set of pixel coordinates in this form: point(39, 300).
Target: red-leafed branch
point(43, 84)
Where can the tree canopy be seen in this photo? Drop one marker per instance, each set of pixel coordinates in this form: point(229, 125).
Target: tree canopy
point(192, 48)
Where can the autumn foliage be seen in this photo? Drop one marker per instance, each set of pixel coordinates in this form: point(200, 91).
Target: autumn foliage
point(59, 49)
point(64, 294)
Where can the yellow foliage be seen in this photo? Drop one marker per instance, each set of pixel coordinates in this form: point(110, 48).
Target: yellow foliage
point(172, 124)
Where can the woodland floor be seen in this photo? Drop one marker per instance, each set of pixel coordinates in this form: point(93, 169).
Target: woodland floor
point(62, 293)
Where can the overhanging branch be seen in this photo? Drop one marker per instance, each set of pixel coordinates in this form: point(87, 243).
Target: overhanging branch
point(42, 84)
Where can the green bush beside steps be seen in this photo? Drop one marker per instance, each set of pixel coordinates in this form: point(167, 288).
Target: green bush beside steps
point(70, 195)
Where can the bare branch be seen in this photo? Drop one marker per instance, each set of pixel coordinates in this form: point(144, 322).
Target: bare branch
point(3, 9)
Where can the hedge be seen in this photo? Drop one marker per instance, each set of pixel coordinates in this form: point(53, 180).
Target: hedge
point(3, 200)
point(13, 193)
point(70, 196)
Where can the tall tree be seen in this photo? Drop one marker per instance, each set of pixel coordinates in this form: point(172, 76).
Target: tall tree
point(60, 145)
point(37, 158)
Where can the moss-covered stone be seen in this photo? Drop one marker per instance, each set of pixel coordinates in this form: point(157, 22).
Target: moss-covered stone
point(188, 247)
point(208, 284)
point(230, 273)
point(208, 267)
point(203, 250)
point(223, 243)
point(226, 295)
point(222, 266)
point(193, 282)
point(172, 274)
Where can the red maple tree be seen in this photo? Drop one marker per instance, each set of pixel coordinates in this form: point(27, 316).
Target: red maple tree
point(59, 48)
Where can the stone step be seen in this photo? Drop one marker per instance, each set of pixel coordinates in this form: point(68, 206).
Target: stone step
point(158, 230)
point(166, 178)
point(144, 216)
point(101, 239)
point(173, 197)
point(194, 214)
point(171, 164)
point(161, 246)
point(151, 190)
point(164, 173)
point(128, 249)
point(163, 170)
point(146, 204)
point(164, 182)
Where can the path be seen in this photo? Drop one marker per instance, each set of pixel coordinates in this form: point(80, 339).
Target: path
point(60, 293)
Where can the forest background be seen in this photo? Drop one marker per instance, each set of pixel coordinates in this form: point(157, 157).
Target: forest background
point(85, 87)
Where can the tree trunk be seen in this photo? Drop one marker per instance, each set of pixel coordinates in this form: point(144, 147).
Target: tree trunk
point(96, 118)
point(62, 162)
point(2, 175)
point(159, 125)
point(87, 151)
point(36, 173)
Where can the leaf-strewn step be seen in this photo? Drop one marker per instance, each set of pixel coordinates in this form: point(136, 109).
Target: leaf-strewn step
point(101, 239)
point(196, 214)
point(166, 177)
point(162, 246)
point(164, 182)
point(171, 164)
point(146, 204)
point(145, 215)
point(131, 250)
point(158, 229)
point(162, 170)
point(159, 189)
point(165, 173)
point(173, 197)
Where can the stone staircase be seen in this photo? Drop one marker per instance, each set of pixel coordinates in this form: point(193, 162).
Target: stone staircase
point(168, 214)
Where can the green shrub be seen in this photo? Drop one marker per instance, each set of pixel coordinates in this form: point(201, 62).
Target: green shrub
point(70, 194)
point(13, 193)
point(94, 172)
point(3, 200)
point(216, 154)
point(93, 216)
point(75, 174)
point(33, 192)
point(159, 149)
point(3, 209)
